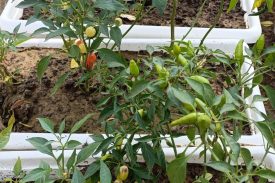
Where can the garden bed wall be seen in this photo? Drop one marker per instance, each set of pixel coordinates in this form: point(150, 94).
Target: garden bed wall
point(11, 15)
point(31, 159)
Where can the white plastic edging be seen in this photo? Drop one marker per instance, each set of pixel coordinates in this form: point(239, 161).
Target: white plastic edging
point(32, 159)
point(18, 140)
point(11, 15)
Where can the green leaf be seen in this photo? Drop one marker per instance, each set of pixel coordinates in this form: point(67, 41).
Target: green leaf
point(17, 169)
point(232, 5)
point(176, 170)
point(78, 177)
point(219, 152)
point(270, 92)
point(138, 87)
point(247, 157)
point(46, 124)
point(71, 161)
point(96, 43)
point(86, 152)
point(112, 58)
point(269, 4)
point(116, 35)
point(220, 166)
point(269, 50)
point(40, 31)
point(265, 131)
point(259, 45)
point(239, 57)
point(191, 133)
point(73, 144)
point(105, 173)
point(59, 83)
point(234, 146)
point(62, 127)
point(42, 67)
point(27, 4)
point(34, 175)
point(160, 5)
point(92, 169)
point(56, 33)
point(111, 5)
point(5, 134)
point(41, 144)
point(104, 145)
point(80, 123)
point(266, 173)
point(148, 155)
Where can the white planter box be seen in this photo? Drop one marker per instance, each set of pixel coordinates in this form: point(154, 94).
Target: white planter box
point(11, 15)
point(31, 159)
point(18, 140)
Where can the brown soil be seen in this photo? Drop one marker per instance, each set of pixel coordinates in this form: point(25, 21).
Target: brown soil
point(30, 100)
point(269, 78)
point(186, 14)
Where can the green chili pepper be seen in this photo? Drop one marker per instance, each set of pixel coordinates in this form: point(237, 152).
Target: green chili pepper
point(239, 53)
point(200, 79)
point(134, 70)
point(176, 49)
point(189, 119)
point(181, 60)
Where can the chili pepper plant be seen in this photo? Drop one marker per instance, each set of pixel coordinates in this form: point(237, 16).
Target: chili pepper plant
point(84, 26)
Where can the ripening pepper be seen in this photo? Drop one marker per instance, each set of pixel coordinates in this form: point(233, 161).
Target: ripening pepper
point(118, 22)
point(90, 61)
point(123, 173)
point(134, 70)
point(90, 32)
point(81, 46)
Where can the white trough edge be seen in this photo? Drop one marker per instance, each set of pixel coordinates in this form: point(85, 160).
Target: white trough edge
point(11, 15)
point(18, 140)
point(31, 159)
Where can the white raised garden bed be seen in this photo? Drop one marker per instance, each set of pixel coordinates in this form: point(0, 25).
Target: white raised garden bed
point(18, 140)
point(11, 15)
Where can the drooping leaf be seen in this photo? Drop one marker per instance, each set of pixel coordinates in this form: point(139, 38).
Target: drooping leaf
point(116, 35)
point(5, 134)
point(86, 152)
point(34, 175)
point(160, 5)
point(112, 58)
point(80, 123)
point(266, 132)
point(46, 124)
point(176, 170)
point(221, 166)
point(41, 144)
point(270, 92)
point(59, 83)
point(111, 5)
point(266, 173)
point(138, 87)
point(42, 66)
point(105, 173)
point(78, 177)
